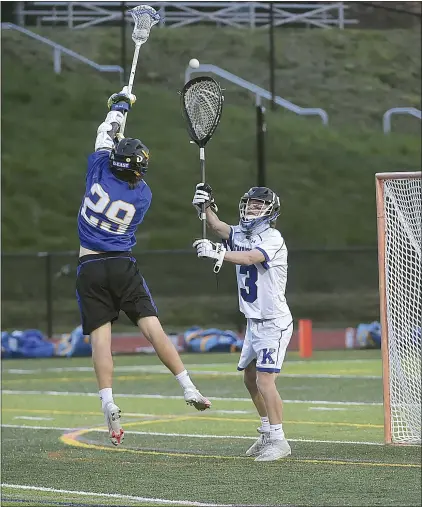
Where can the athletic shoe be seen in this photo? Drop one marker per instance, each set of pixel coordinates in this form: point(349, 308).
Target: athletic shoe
point(112, 417)
point(194, 397)
point(274, 450)
point(257, 446)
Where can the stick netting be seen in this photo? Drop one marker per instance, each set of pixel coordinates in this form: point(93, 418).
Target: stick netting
point(402, 210)
point(202, 102)
point(144, 18)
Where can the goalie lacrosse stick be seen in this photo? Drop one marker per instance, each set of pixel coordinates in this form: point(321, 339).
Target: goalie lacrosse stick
point(202, 105)
point(144, 18)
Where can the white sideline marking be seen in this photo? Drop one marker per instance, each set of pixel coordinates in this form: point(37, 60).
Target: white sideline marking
point(31, 418)
point(193, 365)
point(232, 412)
point(137, 414)
point(22, 427)
point(113, 495)
point(326, 408)
point(189, 435)
point(169, 397)
point(159, 370)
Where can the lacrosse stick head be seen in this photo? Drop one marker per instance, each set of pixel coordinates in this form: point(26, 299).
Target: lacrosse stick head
point(144, 18)
point(202, 105)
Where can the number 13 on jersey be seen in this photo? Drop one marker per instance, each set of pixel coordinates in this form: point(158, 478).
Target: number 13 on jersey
point(250, 292)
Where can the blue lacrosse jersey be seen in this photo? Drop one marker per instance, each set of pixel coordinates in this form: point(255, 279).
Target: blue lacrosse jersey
point(110, 211)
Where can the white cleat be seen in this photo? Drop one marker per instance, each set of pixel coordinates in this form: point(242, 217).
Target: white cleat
point(194, 397)
point(112, 417)
point(257, 446)
point(274, 450)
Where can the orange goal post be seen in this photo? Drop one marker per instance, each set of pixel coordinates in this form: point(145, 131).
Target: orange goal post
point(399, 224)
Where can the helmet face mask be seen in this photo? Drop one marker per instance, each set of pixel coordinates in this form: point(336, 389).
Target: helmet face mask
point(258, 206)
point(129, 160)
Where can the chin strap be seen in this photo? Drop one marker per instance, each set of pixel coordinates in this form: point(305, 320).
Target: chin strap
point(255, 230)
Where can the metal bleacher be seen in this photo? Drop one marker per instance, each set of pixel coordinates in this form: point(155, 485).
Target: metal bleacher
point(77, 15)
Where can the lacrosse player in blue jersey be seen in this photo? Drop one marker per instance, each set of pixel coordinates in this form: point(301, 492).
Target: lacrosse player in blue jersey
point(108, 280)
point(260, 254)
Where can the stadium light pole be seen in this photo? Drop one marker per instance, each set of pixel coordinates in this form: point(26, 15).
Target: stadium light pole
point(123, 39)
point(272, 55)
point(261, 128)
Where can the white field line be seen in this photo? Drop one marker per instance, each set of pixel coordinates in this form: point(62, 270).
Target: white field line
point(33, 418)
point(189, 435)
point(326, 408)
point(189, 366)
point(159, 370)
point(169, 397)
point(137, 414)
point(112, 495)
point(22, 427)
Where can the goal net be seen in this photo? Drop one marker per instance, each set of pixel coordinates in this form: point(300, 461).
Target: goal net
point(399, 215)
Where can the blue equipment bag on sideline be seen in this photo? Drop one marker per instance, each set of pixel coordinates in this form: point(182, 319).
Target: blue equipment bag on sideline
point(74, 344)
point(28, 343)
point(211, 340)
point(368, 336)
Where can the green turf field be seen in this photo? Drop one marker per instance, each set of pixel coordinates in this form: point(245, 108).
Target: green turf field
point(55, 449)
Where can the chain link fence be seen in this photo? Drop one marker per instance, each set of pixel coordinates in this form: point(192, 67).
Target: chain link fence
point(336, 287)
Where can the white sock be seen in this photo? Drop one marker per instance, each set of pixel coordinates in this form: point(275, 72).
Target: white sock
point(276, 432)
point(184, 380)
point(106, 395)
point(265, 425)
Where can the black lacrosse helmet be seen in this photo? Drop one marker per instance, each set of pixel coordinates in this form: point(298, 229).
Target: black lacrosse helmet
point(258, 206)
point(129, 160)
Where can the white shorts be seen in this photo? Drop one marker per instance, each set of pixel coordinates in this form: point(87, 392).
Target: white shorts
point(266, 341)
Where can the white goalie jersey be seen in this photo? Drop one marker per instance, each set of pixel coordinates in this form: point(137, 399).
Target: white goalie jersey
point(261, 286)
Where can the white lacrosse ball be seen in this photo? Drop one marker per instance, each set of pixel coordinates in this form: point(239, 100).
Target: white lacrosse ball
point(194, 63)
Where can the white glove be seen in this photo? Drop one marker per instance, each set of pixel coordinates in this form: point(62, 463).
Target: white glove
point(203, 195)
point(209, 250)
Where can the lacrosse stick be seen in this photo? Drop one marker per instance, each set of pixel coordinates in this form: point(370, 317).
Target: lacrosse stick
point(202, 105)
point(144, 18)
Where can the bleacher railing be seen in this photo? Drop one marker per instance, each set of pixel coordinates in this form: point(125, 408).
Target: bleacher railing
point(179, 14)
point(58, 50)
point(260, 93)
point(386, 119)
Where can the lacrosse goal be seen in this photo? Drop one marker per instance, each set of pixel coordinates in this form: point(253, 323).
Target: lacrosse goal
point(399, 223)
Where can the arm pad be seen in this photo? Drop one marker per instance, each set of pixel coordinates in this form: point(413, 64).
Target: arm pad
point(107, 131)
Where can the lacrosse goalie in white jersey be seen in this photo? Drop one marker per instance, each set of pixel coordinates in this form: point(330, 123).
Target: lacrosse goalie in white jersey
point(260, 254)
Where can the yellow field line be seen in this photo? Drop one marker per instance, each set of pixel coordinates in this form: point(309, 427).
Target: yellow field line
point(71, 440)
point(197, 418)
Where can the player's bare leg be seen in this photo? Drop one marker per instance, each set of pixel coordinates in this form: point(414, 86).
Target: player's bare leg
point(249, 378)
point(277, 446)
point(103, 366)
point(168, 355)
point(268, 389)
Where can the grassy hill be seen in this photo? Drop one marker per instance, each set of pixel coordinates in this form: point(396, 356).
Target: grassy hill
point(356, 75)
point(325, 175)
